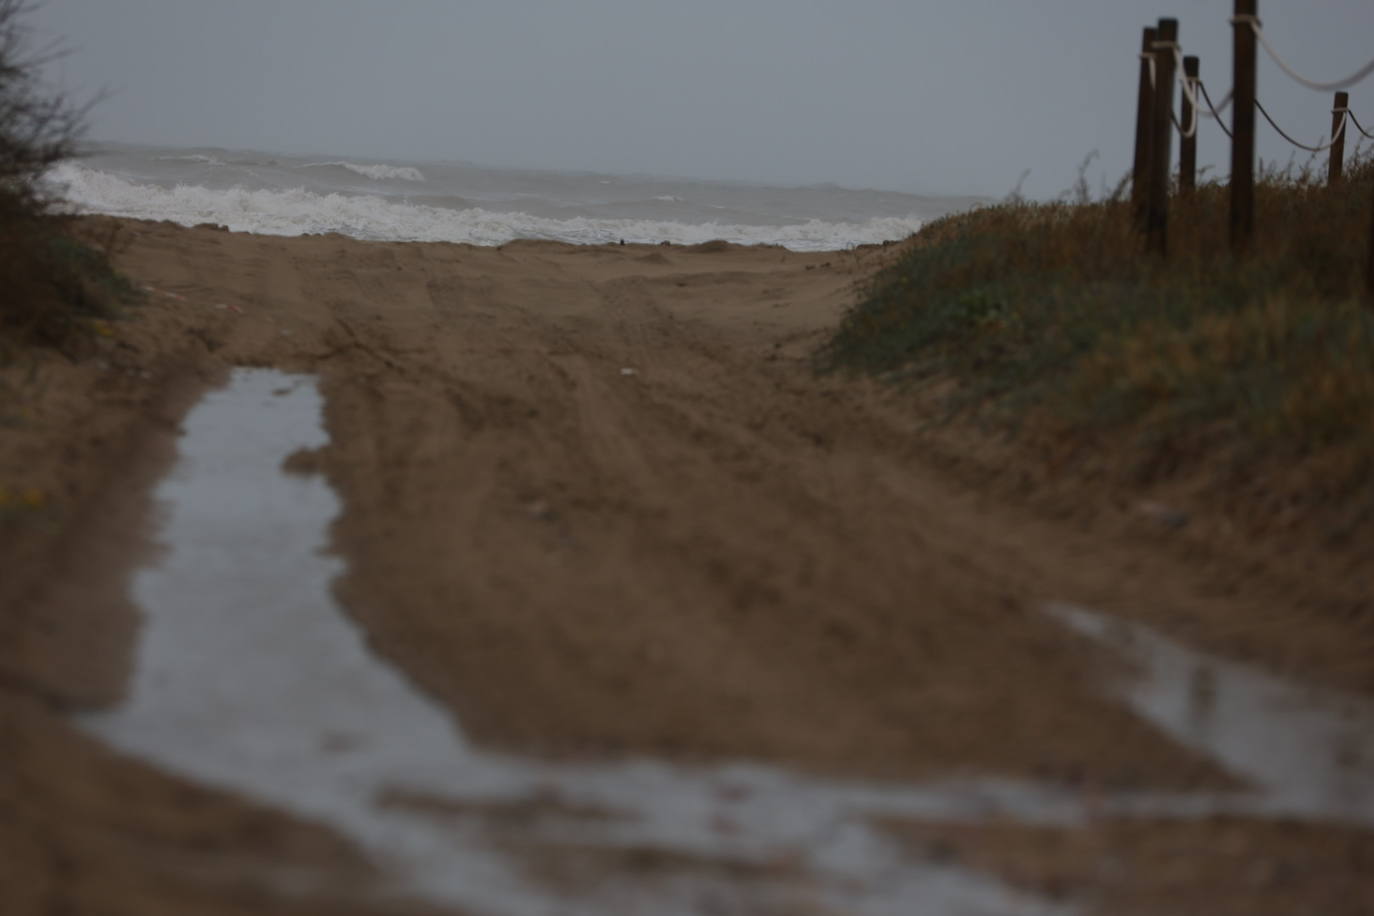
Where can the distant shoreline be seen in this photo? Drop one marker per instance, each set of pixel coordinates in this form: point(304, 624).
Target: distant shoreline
point(393, 200)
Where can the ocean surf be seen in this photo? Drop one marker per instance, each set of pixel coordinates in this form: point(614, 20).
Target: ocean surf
point(274, 194)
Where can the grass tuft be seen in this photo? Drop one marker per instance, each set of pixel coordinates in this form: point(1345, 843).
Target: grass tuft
point(1052, 318)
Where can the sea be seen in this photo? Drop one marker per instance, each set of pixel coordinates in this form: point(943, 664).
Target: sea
point(395, 200)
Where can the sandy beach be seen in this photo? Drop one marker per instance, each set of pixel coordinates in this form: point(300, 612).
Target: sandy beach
point(598, 504)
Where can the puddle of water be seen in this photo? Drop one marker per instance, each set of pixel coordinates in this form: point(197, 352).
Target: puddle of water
point(250, 678)
point(1306, 752)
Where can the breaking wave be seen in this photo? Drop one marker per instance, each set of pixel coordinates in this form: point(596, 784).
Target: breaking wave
point(192, 157)
point(300, 212)
point(375, 172)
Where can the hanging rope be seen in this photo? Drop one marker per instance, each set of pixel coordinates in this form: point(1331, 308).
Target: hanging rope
point(1340, 133)
point(1351, 115)
point(1359, 75)
point(1194, 87)
point(1215, 113)
point(1190, 131)
point(1189, 90)
point(1216, 110)
point(1189, 84)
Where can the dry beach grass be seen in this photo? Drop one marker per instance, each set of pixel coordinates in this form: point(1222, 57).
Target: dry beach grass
point(1259, 368)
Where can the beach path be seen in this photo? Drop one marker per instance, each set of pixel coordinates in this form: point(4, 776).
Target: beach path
point(597, 502)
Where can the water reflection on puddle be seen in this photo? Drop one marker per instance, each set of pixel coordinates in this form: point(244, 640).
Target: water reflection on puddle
point(1305, 752)
point(250, 678)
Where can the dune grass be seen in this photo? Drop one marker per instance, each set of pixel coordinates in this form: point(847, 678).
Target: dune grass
point(1051, 319)
point(59, 287)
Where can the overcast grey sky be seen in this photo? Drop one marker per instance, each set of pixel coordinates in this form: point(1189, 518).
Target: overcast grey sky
point(936, 96)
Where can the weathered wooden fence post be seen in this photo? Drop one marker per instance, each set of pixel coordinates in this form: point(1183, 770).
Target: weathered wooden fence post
point(1145, 102)
point(1369, 267)
point(1161, 138)
point(1336, 168)
point(1187, 153)
point(1243, 126)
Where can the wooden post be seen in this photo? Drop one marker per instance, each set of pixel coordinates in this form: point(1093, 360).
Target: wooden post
point(1161, 138)
point(1369, 268)
point(1145, 102)
point(1338, 120)
point(1243, 129)
point(1187, 153)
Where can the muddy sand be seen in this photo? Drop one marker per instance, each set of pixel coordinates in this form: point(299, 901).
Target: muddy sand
point(597, 505)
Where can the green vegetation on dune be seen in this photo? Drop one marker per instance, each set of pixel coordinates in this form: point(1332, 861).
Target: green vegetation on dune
point(52, 283)
point(1051, 318)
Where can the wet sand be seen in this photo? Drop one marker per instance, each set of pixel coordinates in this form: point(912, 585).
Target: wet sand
point(597, 505)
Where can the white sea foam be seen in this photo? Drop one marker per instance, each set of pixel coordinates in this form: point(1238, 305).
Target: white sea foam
point(375, 172)
point(299, 212)
point(192, 157)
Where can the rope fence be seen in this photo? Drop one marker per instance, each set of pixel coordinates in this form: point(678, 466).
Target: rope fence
point(1192, 87)
point(1163, 66)
point(1356, 121)
point(1338, 138)
point(1216, 110)
point(1254, 22)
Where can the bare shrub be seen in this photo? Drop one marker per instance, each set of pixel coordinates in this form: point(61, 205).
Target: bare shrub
point(51, 282)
